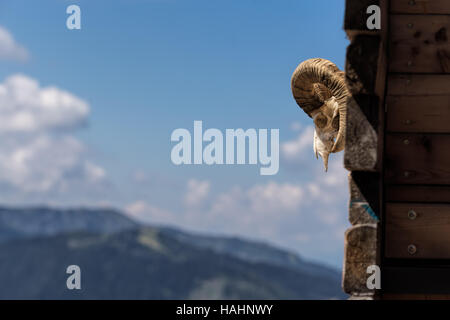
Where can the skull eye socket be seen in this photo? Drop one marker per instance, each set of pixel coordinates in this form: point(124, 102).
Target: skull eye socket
point(335, 122)
point(320, 121)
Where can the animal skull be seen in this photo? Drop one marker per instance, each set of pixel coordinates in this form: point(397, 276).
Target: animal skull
point(320, 89)
point(326, 122)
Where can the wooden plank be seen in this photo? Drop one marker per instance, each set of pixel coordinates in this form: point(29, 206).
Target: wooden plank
point(412, 296)
point(419, 43)
point(418, 114)
point(420, 6)
point(419, 84)
point(402, 193)
point(380, 86)
point(417, 159)
point(417, 231)
point(382, 66)
point(415, 280)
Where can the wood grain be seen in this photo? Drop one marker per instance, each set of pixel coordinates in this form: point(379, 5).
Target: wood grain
point(418, 114)
point(420, 6)
point(417, 159)
point(418, 84)
point(419, 43)
point(429, 231)
point(402, 193)
point(417, 151)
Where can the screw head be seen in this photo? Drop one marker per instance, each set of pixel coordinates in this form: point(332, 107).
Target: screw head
point(408, 122)
point(412, 215)
point(406, 142)
point(406, 174)
point(410, 25)
point(412, 249)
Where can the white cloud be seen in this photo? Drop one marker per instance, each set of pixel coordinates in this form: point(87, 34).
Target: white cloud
point(305, 212)
point(139, 176)
point(256, 212)
point(307, 215)
point(44, 162)
point(296, 126)
point(9, 48)
point(35, 154)
point(297, 156)
point(295, 150)
point(144, 212)
point(26, 107)
point(259, 200)
point(197, 191)
point(274, 197)
point(328, 192)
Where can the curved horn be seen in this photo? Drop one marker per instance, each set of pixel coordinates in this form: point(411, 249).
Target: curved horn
point(339, 143)
point(316, 80)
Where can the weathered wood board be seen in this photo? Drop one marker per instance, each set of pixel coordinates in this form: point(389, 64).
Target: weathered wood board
point(420, 6)
point(417, 159)
point(412, 81)
point(418, 84)
point(418, 114)
point(409, 193)
point(417, 231)
point(419, 43)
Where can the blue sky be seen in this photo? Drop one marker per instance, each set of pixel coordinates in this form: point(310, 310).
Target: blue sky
point(146, 67)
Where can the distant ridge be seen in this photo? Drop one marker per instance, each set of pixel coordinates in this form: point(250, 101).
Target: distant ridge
point(46, 221)
point(121, 259)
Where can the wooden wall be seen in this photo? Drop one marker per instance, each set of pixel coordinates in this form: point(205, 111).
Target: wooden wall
point(416, 177)
point(398, 149)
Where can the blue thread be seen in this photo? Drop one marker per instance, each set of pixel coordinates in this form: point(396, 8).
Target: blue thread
point(368, 209)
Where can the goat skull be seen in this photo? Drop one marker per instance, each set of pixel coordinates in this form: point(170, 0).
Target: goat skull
point(320, 90)
point(326, 122)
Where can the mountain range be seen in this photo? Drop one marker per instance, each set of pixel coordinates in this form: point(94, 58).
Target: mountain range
point(120, 258)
